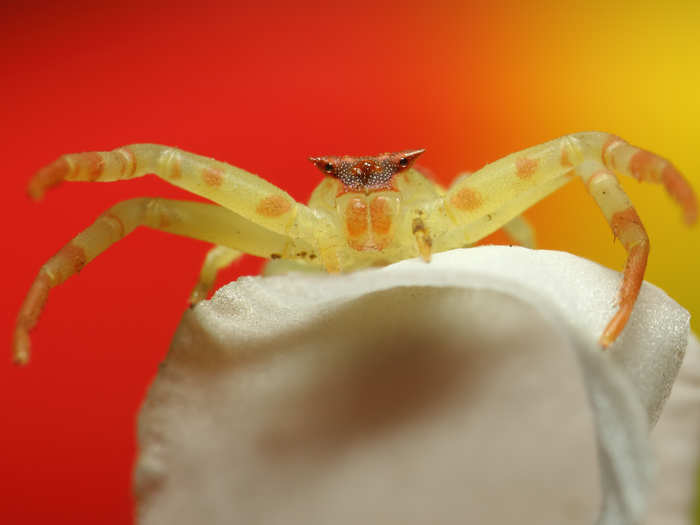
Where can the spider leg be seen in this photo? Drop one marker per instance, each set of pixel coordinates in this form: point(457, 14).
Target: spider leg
point(521, 231)
point(490, 198)
point(191, 219)
point(603, 186)
point(248, 195)
point(424, 241)
point(287, 266)
point(626, 159)
point(217, 258)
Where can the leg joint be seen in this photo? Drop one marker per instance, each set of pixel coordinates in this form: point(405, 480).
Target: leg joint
point(600, 181)
point(572, 151)
point(170, 164)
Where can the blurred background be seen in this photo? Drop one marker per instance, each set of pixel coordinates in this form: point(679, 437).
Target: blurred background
point(263, 87)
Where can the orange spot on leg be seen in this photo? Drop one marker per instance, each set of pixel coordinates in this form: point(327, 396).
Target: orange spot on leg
point(612, 140)
point(628, 227)
point(645, 166)
point(48, 177)
point(681, 191)
point(164, 220)
point(629, 290)
point(564, 160)
point(273, 206)
point(212, 177)
point(174, 169)
point(467, 199)
point(71, 259)
point(525, 167)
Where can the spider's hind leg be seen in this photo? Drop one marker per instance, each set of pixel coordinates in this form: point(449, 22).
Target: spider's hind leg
point(217, 258)
point(521, 231)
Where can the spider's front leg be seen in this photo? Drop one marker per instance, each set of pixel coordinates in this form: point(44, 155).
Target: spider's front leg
point(491, 197)
point(264, 220)
point(244, 193)
point(202, 221)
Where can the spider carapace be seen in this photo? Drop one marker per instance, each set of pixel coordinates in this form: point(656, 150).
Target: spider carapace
point(367, 211)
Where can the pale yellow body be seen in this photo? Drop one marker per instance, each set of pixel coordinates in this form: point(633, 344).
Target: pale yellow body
point(343, 231)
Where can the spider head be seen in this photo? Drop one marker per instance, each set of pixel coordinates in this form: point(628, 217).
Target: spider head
point(366, 174)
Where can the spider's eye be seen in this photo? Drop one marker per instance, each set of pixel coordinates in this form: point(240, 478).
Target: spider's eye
point(403, 162)
point(328, 167)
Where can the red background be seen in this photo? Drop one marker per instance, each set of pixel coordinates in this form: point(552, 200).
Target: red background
point(262, 88)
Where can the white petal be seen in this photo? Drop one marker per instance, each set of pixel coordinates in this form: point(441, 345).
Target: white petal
point(676, 441)
point(451, 392)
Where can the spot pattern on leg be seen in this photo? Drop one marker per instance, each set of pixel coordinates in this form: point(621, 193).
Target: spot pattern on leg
point(273, 206)
point(564, 160)
point(165, 220)
point(174, 168)
point(645, 166)
point(71, 259)
point(467, 199)
point(571, 151)
point(212, 177)
point(525, 167)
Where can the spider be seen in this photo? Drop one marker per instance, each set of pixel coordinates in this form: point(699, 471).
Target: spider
point(367, 211)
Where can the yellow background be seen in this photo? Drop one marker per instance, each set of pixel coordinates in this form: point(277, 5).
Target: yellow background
point(624, 67)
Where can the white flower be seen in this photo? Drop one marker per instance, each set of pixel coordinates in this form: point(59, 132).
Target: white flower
point(467, 390)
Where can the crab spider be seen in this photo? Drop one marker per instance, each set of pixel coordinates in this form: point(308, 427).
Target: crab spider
point(367, 211)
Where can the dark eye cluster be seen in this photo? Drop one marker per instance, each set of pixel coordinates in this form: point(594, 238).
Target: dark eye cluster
point(366, 173)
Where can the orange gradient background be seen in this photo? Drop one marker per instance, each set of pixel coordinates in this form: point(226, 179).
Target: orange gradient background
point(262, 88)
